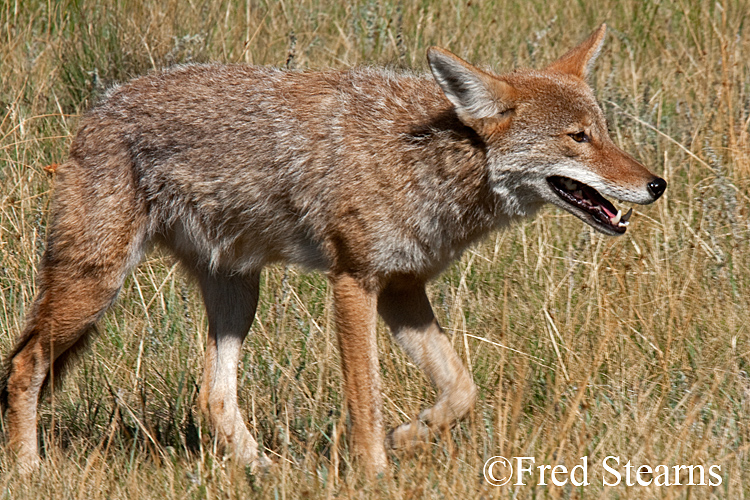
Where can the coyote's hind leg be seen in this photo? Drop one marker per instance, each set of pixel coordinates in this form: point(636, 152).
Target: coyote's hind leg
point(406, 310)
point(62, 318)
point(94, 239)
point(231, 300)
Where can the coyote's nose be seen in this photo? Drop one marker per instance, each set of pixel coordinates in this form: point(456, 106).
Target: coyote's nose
point(657, 187)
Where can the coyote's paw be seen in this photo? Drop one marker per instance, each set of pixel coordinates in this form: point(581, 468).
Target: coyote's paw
point(27, 463)
point(254, 461)
point(261, 464)
point(408, 435)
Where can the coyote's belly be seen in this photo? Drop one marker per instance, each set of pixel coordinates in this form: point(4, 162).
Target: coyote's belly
point(248, 242)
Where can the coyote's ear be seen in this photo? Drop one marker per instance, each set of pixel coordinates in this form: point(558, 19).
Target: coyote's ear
point(579, 60)
point(476, 95)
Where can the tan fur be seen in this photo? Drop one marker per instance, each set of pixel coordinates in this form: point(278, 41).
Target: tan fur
point(405, 308)
point(230, 302)
point(356, 316)
point(380, 179)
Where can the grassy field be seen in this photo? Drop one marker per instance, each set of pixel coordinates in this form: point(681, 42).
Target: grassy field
point(581, 345)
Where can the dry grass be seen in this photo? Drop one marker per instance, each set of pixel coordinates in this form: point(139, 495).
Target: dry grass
point(581, 345)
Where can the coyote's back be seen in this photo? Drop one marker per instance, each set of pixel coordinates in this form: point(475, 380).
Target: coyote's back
point(378, 178)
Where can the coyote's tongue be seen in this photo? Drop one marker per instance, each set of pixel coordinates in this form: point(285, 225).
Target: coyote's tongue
point(589, 200)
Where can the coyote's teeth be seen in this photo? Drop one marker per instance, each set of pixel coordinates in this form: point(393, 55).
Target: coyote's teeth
point(578, 193)
point(623, 223)
point(570, 185)
point(626, 217)
point(616, 218)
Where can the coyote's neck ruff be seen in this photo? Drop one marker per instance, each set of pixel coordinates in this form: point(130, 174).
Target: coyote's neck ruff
point(380, 179)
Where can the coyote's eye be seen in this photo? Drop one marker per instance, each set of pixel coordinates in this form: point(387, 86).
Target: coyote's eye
point(580, 136)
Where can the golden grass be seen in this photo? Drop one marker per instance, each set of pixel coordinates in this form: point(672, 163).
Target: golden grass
point(581, 345)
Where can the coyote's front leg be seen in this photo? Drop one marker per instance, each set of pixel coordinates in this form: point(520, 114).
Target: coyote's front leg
point(405, 308)
point(356, 318)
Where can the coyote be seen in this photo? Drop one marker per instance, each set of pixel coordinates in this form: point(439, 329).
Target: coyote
point(380, 179)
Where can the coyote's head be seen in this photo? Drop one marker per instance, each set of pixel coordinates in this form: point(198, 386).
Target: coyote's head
point(547, 138)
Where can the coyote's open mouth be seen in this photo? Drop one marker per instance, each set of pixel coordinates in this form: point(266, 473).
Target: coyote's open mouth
point(589, 200)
